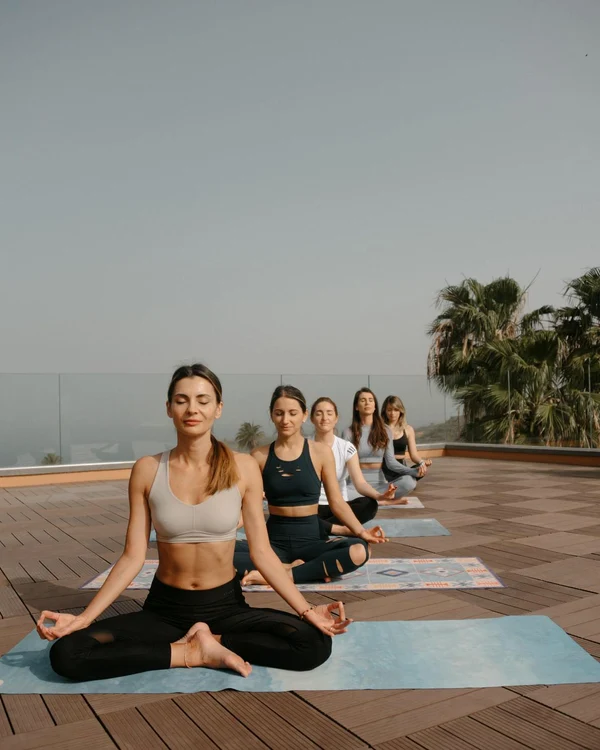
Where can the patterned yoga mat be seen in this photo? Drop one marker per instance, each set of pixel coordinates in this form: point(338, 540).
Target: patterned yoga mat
point(381, 574)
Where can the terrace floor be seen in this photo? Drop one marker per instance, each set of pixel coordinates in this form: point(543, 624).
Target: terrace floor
point(536, 525)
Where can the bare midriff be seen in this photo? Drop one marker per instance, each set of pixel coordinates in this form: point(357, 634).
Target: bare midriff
point(199, 566)
point(373, 465)
point(293, 511)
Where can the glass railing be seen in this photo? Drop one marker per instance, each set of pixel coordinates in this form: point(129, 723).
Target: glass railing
point(104, 418)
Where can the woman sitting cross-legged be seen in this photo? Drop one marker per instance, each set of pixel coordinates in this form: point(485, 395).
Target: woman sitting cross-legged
point(293, 469)
point(324, 416)
point(195, 614)
point(393, 414)
point(373, 440)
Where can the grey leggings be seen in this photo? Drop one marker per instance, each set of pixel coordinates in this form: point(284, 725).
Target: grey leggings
point(375, 477)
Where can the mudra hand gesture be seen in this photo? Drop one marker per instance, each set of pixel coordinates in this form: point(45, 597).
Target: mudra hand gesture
point(63, 625)
point(373, 536)
point(323, 618)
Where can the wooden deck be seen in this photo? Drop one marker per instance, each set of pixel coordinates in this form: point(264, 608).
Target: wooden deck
point(536, 526)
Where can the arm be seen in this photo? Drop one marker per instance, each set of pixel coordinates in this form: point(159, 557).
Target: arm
point(270, 566)
point(339, 507)
point(392, 463)
point(127, 566)
point(412, 446)
point(359, 481)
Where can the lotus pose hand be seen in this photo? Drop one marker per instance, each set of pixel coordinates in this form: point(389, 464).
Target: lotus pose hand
point(323, 618)
point(373, 536)
point(63, 625)
point(388, 495)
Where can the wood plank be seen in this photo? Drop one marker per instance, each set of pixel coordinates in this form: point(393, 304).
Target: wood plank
point(27, 713)
point(131, 731)
point(175, 728)
point(556, 696)
point(67, 709)
point(105, 703)
point(409, 722)
point(82, 734)
point(564, 726)
point(481, 736)
point(324, 732)
point(222, 727)
point(531, 735)
point(436, 738)
point(267, 725)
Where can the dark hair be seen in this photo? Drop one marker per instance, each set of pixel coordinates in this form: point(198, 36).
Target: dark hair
point(318, 401)
point(222, 469)
point(396, 403)
point(378, 437)
point(287, 391)
point(195, 371)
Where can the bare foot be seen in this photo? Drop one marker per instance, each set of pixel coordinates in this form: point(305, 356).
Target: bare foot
point(254, 578)
point(204, 650)
point(399, 501)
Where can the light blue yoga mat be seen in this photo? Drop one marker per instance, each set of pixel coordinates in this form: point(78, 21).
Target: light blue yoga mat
point(372, 655)
point(398, 527)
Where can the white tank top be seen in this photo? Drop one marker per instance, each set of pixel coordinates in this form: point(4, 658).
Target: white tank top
point(343, 450)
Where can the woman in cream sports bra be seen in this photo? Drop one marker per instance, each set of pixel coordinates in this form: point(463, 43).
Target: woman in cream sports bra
point(195, 614)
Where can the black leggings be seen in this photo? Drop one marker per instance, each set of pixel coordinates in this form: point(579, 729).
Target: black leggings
point(300, 539)
point(141, 641)
point(364, 508)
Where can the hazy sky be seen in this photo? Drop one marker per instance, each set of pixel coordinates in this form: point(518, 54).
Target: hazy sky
point(284, 185)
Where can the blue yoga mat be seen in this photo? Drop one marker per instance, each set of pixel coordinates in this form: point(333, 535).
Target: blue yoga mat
point(372, 656)
point(399, 527)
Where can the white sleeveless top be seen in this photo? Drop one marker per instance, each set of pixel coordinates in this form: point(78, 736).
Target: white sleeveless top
point(343, 450)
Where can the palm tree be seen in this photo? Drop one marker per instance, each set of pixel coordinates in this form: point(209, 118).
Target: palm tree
point(473, 316)
point(50, 459)
point(249, 436)
point(533, 399)
point(520, 377)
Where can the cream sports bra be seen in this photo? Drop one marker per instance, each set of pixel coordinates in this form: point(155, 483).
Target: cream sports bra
point(213, 520)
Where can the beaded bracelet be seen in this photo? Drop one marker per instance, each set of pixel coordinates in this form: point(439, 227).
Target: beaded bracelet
point(306, 611)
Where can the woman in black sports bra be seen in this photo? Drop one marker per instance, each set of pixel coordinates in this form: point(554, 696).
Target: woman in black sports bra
point(293, 469)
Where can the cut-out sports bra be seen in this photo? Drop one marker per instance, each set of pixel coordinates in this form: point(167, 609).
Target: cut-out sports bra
point(213, 520)
point(291, 482)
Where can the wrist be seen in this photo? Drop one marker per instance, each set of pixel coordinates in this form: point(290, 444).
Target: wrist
point(306, 611)
point(85, 619)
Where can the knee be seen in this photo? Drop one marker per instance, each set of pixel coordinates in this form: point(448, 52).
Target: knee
point(371, 508)
point(65, 658)
point(317, 652)
point(405, 485)
point(359, 553)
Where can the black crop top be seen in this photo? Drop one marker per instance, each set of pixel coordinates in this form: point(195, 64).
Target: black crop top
point(400, 445)
point(291, 482)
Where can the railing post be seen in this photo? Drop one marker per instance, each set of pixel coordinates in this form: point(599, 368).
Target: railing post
point(509, 405)
point(60, 450)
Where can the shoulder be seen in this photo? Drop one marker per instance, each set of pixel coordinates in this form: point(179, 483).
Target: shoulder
point(348, 448)
point(246, 464)
point(260, 454)
point(144, 470)
point(409, 430)
point(347, 434)
point(319, 449)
